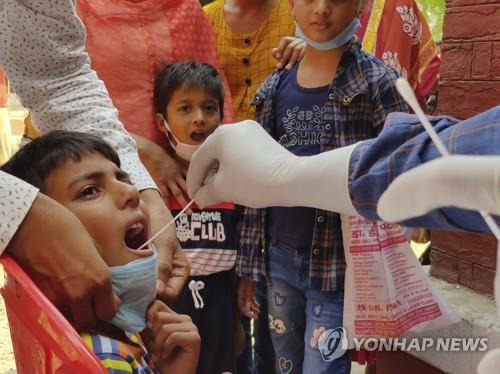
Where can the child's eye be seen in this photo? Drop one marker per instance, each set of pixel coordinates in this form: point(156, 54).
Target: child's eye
point(126, 180)
point(184, 108)
point(87, 192)
point(211, 108)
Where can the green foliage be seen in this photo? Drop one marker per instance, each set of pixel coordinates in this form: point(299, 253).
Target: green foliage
point(433, 11)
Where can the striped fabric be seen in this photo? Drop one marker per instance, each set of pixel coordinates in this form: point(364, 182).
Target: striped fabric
point(359, 100)
point(120, 357)
point(210, 261)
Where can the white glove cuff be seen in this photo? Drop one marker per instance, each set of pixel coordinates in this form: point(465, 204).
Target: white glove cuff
point(321, 181)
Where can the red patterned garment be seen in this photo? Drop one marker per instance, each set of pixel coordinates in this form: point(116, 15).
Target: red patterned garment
point(396, 32)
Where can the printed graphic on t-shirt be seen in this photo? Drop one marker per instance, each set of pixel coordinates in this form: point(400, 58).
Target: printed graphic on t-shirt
point(202, 226)
point(302, 127)
point(208, 239)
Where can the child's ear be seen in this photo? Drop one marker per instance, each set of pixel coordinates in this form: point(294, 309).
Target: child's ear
point(160, 123)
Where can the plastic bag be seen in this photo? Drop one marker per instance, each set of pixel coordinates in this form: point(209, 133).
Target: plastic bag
point(387, 292)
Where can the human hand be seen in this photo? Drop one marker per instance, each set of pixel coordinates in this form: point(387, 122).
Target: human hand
point(489, 362)
point(172, 339)
point(173, 265)
point(289, 50)
point(243, 164)
point(249, 163)
point(57, 252)
point(168, 174)
point(247, 303)
point(467, 182)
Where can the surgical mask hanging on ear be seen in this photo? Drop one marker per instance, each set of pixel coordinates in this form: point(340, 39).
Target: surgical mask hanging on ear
point(135, 284)
point(183, 150)
point(336, 42)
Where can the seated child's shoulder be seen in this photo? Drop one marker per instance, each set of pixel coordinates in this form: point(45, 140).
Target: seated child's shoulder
point(127, 349)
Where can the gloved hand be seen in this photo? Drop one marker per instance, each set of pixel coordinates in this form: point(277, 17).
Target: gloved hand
point(468, 182)
point(242, 163)
point(490, 362)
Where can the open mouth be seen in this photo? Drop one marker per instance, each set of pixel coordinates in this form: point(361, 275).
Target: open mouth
point(198, 136)
point(136, 235)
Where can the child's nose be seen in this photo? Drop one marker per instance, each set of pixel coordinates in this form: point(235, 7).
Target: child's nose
point(127, 195)
point(198, 117)
point(322, 7)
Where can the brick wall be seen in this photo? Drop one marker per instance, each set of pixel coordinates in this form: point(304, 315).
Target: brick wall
point(465, 259)
point(470, 70)
point(469, 83)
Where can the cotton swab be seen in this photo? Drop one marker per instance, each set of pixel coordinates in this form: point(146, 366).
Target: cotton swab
point(407, 93)
point(208, 178)
point(167, 225)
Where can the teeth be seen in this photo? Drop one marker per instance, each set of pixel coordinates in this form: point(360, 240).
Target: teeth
point(135, 229)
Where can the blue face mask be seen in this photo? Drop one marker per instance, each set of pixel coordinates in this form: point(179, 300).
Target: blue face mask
point(336, 42)
point(135, 284)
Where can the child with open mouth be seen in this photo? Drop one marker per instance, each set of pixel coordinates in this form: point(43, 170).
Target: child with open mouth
point(82, 172)
point(189, 100)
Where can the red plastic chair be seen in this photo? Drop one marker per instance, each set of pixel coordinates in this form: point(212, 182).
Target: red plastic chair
point(43, 340)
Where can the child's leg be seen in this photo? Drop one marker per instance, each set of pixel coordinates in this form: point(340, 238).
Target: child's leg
point(286, 304)
point(263, 346)
point(324, 313)
point(213, 314)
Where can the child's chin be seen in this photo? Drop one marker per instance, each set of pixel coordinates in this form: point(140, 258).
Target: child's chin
point(139, 253)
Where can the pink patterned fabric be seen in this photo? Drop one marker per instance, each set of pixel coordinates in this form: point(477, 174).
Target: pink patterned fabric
point(129, 41)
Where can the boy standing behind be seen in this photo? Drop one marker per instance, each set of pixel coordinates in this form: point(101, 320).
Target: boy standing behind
point(336, 96)
point(189, 101)
point(245, 32)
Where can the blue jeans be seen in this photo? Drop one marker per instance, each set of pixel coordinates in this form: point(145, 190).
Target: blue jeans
point(298, 315)
point(263, 351)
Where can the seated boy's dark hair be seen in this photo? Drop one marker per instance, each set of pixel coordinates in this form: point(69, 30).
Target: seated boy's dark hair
point(35, 161)
point(190, 74)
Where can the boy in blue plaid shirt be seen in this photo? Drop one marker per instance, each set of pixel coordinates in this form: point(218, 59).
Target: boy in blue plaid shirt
point(336, 96)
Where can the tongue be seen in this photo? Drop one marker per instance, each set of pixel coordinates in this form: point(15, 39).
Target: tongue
point(198, 137)
point(133, 241)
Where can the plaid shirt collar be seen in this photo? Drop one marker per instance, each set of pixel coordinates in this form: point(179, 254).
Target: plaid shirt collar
point(352, 82)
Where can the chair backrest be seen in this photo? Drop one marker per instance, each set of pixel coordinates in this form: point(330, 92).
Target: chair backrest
point(43, 340)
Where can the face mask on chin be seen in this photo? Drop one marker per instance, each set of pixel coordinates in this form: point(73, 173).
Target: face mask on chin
point(183, 150)
point(344, 37)
point(135, 284)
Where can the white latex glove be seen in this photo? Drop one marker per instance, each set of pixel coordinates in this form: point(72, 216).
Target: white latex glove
point(256, 171)
point(468, 182)
point(490, 362)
